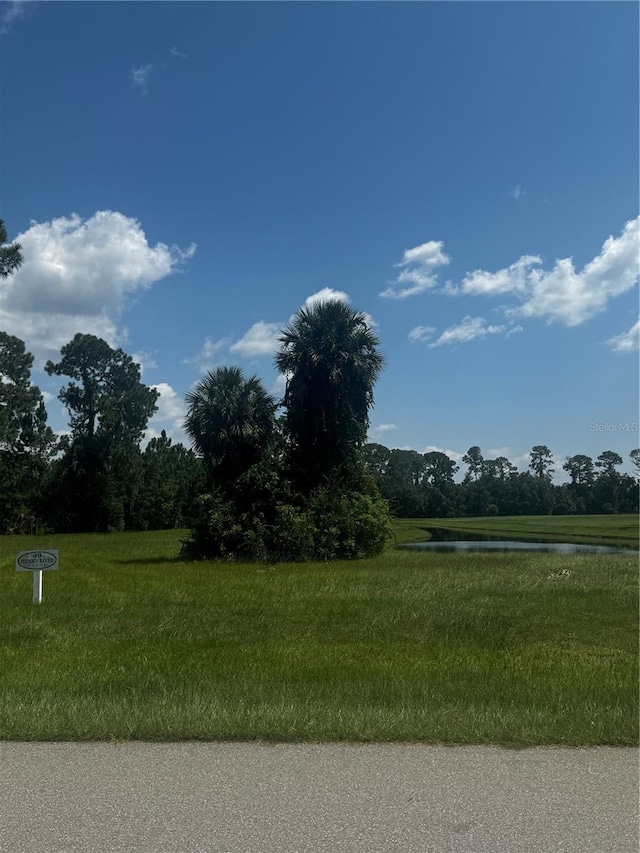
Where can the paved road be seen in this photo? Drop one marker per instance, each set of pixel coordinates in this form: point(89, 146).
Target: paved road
point(333, 798)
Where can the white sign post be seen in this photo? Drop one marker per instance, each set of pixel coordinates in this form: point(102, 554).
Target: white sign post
point(37, 562)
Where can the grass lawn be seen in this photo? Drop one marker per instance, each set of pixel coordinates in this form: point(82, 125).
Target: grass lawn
point(621, 530)
point(128, 643)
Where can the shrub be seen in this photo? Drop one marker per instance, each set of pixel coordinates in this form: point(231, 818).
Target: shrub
point(348, 525)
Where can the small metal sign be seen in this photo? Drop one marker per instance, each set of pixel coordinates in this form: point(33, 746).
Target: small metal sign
point(36, 561)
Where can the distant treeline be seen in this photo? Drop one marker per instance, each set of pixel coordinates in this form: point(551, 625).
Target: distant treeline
point(421, 485)
point(287, 483)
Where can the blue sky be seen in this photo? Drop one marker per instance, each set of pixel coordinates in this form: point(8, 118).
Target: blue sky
point(184, 176)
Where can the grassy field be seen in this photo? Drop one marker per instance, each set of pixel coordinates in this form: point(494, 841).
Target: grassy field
point(620, 530)
point(516, 649)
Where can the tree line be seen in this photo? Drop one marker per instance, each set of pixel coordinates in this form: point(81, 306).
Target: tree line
point(422, 485)
point(285, 479)
point(255, 483)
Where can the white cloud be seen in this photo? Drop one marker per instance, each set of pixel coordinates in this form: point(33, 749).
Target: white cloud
point(517, 193)
point(427, 255)
point(494, 452)
point(173, 51)
point(626, 341)
point(12, 11)
point(145, 360)
point(452, 454)
point(566, 296)
point(561, 294)
point(141, 76)
point(279, 385)
point(78, 276)
point(261, 339)
point(209, 355)
point(469, 329)
point(422, 262)
point(511, 279)
point(381, 429)
point(170, 405)
point(170, 415)
point(327, 294)
point(421, 333)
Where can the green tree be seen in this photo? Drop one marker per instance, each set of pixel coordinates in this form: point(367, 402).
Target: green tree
point(331, 360)
point(608, 462)
point(26, 442)
point(541, 461)
point(635, 460)
point(582, 475)
point(10, 255)
point(504, 468)
point(608, 486)
point(439, 468)
point(474, 460)
point(172, 477)
point(377, 460)
point(109, 408)
point(580, 470)
point(230, 421)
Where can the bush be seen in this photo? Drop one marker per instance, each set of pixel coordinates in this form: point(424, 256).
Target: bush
point(334, 525)
point(215, 533)
point(348, 525)
point(292, 534)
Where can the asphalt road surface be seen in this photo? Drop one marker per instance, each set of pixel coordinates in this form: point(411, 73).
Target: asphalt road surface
point(331, 798)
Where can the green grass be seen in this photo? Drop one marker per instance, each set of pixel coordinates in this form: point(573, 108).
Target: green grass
point(588, 529)
point(449, 648)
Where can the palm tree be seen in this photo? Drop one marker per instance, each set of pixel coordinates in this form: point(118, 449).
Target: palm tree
point(230, 421)
point(331, 359)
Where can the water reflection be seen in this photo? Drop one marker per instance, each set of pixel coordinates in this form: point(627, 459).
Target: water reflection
point(449, 540)
point(512, 545)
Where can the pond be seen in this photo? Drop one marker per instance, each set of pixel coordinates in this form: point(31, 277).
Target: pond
point(448, 540)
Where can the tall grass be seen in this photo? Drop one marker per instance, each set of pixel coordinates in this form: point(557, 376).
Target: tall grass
point(519, 648)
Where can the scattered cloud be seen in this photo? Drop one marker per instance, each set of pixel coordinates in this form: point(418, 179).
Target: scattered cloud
point(79, 276)
point(566, 296)
point(517, 193)
point(12, 11)
point(469, 329)
point(261, 339)
point(141, 76)
point(512, 279)
point(494, 452)
point(422, 333)
point(420, 270)
point(381, 429)
point(146, 361)
point(209, 356)
point(561, 294)
point(626, 341)
point(452, 454)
